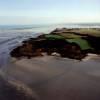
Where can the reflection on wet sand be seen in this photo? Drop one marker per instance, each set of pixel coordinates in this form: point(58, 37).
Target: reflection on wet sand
point(55, 78)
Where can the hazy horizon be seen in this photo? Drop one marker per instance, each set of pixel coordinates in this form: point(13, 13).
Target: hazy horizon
point(28, 12)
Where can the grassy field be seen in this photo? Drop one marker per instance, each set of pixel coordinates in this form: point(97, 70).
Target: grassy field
point(73, 36)
point(94, 32)
point(84, 45)
point(69, 35)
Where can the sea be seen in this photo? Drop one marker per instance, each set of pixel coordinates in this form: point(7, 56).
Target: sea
point(12, 36)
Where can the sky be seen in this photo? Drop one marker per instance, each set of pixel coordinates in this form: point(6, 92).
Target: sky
point(25, 12)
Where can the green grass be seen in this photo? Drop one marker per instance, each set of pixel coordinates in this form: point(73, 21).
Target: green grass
point(84, 45)
point(70, 35)
point(71, 38)
point(53, 37)
point(92, 32)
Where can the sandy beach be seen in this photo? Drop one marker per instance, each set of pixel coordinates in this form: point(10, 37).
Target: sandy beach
point(49, 77)
point(54, 78)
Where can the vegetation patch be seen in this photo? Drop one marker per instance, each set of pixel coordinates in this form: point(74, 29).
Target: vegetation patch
point(84, 45)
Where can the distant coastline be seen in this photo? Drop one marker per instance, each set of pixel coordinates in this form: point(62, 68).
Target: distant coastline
point(67, 25)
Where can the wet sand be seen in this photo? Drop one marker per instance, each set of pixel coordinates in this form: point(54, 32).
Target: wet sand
point(54, 78)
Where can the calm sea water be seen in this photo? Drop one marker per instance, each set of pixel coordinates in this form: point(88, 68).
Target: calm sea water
point(12, 35)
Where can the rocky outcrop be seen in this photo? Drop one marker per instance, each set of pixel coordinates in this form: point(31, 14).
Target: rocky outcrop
point(95, 43)
point(61, 45)
point(36, 48)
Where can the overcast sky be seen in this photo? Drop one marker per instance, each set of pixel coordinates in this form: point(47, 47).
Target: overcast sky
point(49, 11)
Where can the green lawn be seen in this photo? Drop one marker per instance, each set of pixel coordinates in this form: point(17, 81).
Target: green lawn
point(84, 45)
